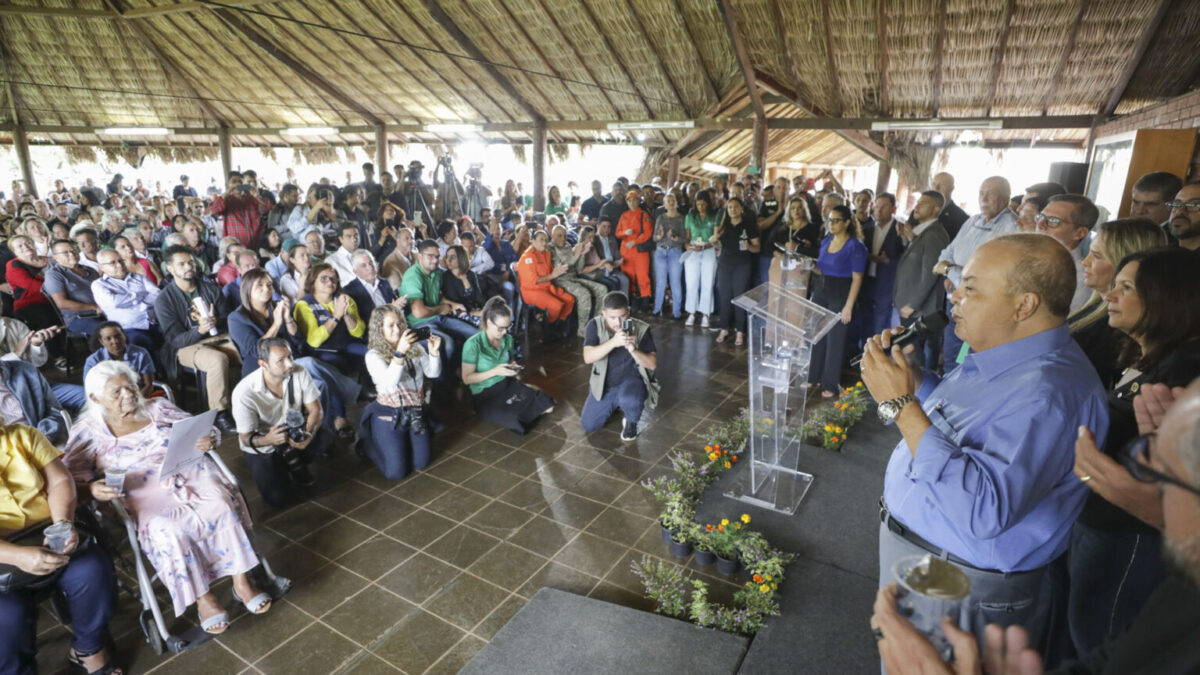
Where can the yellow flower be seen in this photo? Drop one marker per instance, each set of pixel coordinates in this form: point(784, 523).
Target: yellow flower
point(708, 448)
point(828, 428)
point(724, 521)
point(765, 588)
point(767, 577)
point(745, 517)
point(728, 465)
point(858, 384)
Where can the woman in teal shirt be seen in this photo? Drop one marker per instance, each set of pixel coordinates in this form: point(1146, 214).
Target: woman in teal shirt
point(490, 370)
point(554, 201)
point(700, 261)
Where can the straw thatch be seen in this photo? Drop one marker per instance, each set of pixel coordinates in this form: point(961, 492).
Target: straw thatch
point(398, 63)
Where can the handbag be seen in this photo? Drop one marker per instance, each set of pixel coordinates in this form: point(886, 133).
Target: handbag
point(13, 578)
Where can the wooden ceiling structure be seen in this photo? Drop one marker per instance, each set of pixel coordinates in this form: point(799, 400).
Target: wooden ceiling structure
point(734, 83)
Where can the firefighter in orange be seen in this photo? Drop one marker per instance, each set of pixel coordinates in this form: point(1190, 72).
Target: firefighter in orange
point(636, 228)
point(537, 274)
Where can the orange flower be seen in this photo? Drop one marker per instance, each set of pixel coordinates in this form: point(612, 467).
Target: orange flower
point(727, 465)
point(733, 459)
point(721, 529)
point(709, 527)
point(758, 578)
point(708, 448)
point(717, 446)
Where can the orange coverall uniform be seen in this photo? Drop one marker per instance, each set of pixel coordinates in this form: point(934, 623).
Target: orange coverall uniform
point(636, 264)
point(532, 266)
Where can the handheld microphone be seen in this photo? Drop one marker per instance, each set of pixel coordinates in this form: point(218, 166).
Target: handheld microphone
point(933, 322)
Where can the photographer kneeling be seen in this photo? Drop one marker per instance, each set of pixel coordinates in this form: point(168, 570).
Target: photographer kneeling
point(278, 414)
point(621, 353)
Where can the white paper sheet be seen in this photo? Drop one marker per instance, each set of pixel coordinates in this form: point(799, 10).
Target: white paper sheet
point(181, 448)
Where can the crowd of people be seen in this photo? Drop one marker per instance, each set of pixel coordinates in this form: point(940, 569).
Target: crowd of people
point(286, 311)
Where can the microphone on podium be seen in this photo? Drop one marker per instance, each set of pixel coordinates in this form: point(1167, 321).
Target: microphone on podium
point(934, 322)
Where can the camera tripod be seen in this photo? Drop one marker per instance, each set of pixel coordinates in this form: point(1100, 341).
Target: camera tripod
point(452, 196)
point(414, 200)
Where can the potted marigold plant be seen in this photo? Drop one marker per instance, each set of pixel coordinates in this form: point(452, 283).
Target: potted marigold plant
point(725, 537)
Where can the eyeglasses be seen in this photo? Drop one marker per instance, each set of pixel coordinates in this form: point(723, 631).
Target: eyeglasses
point(1049, 221)
point(326, 277)
point(1135, 457)
point(1192, 206)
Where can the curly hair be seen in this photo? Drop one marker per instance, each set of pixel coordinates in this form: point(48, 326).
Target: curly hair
point(378, 344)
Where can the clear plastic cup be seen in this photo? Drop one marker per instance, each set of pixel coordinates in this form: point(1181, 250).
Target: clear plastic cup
point(115, 478)
point(930, 589)
point(57, 536)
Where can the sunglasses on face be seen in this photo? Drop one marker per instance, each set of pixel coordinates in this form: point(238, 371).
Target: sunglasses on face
point(1135, 457)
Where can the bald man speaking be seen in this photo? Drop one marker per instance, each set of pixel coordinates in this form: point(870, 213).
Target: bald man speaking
point(983, 477)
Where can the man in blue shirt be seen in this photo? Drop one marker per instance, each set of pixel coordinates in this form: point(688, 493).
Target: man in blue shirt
point(984, 476)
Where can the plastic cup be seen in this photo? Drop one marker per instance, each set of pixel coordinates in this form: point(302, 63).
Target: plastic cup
point(931, 589)
point(57, 536)
point(115, 478)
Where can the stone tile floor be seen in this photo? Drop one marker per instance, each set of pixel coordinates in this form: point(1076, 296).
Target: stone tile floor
point(415, 576)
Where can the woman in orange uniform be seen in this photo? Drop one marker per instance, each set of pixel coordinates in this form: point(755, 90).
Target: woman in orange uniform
point(636, 228)
point(537, 274)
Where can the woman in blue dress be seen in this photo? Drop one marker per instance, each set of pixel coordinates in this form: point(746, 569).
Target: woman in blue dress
point(841, 263)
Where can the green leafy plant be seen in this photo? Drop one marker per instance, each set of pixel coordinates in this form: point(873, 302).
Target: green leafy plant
point(832, 424)
point(664, 584)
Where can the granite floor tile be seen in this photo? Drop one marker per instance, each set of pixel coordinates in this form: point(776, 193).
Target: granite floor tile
point(492, 482)
point(556, 575)
point(620, 526)
point(590, 554)
point(377, 556)
point(418, 578)
point(455, 469)
point(599, 488)
point(457, 503)
point(520, 463)
point(507, 566)
point(316, 649)
point(366, 663)
point(532, 495)
point(382, 512)
point(252, 636)
point(337, 538)
point(499, 519)
point(420, 488)
point(420, 528)
point(347, 497)
point(369, 616)
point(301, 520)
point(573, 510)
point(466, 601)
point(485, 451)
point(458, 656)
point(543, 536)
point(325, 589)
point(418, 642)
point(496, 620)
point(461, 546)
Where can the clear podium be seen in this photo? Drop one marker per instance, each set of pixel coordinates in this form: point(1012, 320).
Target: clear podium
point(783, 327)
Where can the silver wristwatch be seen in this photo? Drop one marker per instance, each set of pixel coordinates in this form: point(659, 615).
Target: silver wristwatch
point(888, 409)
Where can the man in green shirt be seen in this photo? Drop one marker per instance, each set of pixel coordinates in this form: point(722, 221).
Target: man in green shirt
point(422, 285)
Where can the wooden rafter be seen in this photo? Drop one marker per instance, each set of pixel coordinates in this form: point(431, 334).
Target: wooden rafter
point(1135, 59)
point(694, 44)
point(311, 76)
point(743, 57)
point(835, 82)
point(654, 45)
point(885, 103)
point(460, 38)
point(1072, 35)
point(855, 138)
point(998, 63)
point(939, 51)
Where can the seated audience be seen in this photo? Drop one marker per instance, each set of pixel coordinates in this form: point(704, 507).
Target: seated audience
point(394, 429)
point(69, 285)
point(588, 294)
point(25, 274)
point(299, 261)
point(623, 358)
point(89, 244)
point(396, 263)
point(422, 286)
point(231, 293)
point(127, 299)
point(367, 289)
point(37, 489)
point(228, 271)
point(537, 273)
point(109, 343)
point(329, 320)
point(490, 369)
point(278, 413)
point(347, 233)
point(193, 526)
point(460, 283)
point(193, 321)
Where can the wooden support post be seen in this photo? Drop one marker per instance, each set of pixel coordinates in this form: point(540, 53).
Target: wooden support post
point(885, 177)
point(758, 151)
point(672, 170)
point(539, 165)
point(226, 150)
point(21, 145)
point(381, 150)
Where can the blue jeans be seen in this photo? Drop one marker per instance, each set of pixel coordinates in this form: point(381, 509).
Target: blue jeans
point(85, 325)
point(71, 396)
point(88, 586)
point(629, 397)
point(1112, 575)
point(392, 446)
point(454, 332)
point(667, 266)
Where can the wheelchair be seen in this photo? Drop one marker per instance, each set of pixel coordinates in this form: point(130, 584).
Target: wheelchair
point(113, 515)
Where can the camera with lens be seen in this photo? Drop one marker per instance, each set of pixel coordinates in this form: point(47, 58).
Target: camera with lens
point(414, 417)
point(295, 459)
point(294, 419)
point(475, 171)
point(414, 172)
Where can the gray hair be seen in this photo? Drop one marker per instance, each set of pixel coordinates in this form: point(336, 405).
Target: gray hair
point(362, 253)
point(837, 199)
point(96, 379)
point(174, 239)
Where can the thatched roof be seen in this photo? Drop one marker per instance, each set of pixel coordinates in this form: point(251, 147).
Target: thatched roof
point(72, 66)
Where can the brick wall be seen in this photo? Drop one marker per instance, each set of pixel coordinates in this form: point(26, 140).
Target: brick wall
point(1178, 113)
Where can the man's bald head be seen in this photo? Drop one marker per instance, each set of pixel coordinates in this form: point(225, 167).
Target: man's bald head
point(1039, 265)
point(944, 183)
point(993, 196)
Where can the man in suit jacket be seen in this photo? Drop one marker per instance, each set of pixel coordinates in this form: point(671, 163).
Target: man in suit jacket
point(884, 248)
point(952, 216)
point(368, 290)
point(918, 290)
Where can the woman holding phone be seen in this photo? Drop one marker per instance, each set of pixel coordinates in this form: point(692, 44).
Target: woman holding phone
point(489, 369)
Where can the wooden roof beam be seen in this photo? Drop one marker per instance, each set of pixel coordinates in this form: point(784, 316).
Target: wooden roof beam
point(1072, 35)
point(834, 81)
point(743, 58)
point(998, 63)
point(939, 48)
point(1135, 59)
point(308, 74)
point(857, 139)
point(460, 38)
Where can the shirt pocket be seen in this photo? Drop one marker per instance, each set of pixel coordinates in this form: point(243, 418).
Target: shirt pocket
point(939, 421)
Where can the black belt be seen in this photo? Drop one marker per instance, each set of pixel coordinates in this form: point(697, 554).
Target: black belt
point(913, 538)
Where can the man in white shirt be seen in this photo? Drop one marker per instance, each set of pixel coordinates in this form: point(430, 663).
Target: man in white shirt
point(368, 290)
point(341, 258)
point(278, 413)
point(1070, 218)
point(127, 299)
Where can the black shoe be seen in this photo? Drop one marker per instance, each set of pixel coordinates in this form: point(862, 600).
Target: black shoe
point(302, 476)
point(225, 422)
point(630, 432)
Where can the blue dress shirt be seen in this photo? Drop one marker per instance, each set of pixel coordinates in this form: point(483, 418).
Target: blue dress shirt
point(992, 481)
point(976, 232)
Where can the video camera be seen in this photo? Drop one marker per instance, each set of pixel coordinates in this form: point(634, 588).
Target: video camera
point(415, 168)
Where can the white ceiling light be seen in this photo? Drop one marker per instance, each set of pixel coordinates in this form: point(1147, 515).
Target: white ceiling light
point(677, 124)
point(453, 128)
point(937, 139)
point(795, 165)
point(309, 131)
point(715, 168)
point(936, 125)
point(135, 131)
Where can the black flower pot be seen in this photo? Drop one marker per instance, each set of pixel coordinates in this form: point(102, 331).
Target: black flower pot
point(667, 534)
point(681, 549)
point(705, 557)
point(728, 565)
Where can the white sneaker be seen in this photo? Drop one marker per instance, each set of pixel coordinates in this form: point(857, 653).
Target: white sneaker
point(704, 321)
point(691, 320)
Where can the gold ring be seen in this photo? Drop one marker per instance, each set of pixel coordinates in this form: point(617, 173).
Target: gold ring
point(1084, 479)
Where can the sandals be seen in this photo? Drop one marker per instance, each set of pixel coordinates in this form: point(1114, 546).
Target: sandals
point(215, 624)
point(721, 336)
point(75, 660)
point(739, 339)
point(259, 604)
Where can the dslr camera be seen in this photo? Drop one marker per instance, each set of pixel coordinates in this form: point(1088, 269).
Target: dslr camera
point(414, 172)
point(414, 417)
point(295, 459)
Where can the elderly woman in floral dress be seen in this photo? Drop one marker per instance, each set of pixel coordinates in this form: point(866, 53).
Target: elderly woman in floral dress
point(193, 525)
